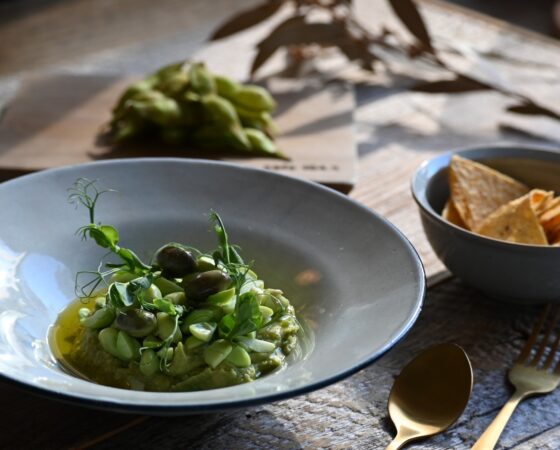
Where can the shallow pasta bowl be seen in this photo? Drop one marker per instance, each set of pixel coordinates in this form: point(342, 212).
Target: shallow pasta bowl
point(356, 283)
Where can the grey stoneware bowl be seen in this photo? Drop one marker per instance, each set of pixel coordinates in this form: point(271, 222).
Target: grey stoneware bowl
point(357, 284)
point(509, 272)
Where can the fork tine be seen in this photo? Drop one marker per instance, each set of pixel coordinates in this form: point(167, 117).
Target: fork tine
point(552, 356)
point(545, 339)
point(526, 352)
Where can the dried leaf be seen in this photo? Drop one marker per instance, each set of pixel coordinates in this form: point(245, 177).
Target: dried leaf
point(532, 109)
point(247, 19)
point(458, 84)
point(409, 15)
point(295, 31)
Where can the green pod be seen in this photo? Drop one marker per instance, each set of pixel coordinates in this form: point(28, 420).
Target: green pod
point(166, 326)
point(261, 143)
point(174, 136)
point(216, 352)
point(200, 80)
point(220, 111)
point(134, 90)
point(218, 138)
point(226, 87)
point(99, 319)
point(158, 109)
point(174, 83)
point(149, 363)
point(166, 71)
point(128, 128)
point(255, 97)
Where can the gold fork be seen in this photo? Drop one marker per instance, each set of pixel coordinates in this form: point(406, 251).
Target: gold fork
point(530, 376)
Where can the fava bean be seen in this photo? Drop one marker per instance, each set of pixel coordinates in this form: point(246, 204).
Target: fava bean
point(166, 327)
point(216, 352)
point(149, 363)
point(175, 261)
point(136, 322)
point(239, 357)
point(99, 319)
point(205, 284)
point(127, 347)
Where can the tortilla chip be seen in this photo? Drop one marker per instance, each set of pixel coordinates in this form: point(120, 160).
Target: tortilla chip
point(540, 200)
point(515, 222)
point(451, 214)
point(477, 190)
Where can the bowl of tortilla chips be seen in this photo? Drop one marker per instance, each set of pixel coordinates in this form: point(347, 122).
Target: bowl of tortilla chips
point(492, 215)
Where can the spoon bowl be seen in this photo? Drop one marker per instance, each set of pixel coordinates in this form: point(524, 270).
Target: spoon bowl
point(430, 393)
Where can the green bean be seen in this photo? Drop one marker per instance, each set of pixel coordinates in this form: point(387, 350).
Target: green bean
point(203, 331)
point(216, 352)
point(127, 347)
point(239, 357)
point(166, 286)
point(149, 364)
point(166, 326)
point(99, 319)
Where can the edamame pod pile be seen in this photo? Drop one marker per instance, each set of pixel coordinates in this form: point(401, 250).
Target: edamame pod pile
point(187, 320)
point(184, 103)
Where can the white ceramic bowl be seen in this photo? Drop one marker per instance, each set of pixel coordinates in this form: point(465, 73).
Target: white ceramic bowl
point(355, 281)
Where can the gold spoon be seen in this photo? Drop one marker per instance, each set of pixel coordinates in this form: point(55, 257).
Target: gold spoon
point(430, 393)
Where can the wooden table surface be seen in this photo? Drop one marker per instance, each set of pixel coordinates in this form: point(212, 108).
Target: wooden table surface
point(395, 130)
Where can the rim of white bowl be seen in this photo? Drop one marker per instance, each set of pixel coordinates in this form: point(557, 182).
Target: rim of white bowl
point(152, 408)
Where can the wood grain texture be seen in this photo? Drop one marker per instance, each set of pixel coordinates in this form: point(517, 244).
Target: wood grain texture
point(395, 131)
point(352, 413)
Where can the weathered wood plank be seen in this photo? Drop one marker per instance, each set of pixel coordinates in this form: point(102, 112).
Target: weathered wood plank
point(352, 414)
